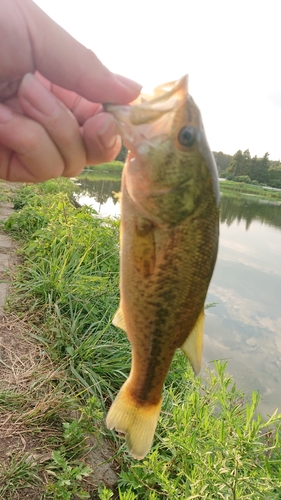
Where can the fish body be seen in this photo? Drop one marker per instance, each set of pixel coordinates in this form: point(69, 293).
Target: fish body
point(169, 241)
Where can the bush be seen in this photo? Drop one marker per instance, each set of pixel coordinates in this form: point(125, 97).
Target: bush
point(242, 178)
point(276, 183)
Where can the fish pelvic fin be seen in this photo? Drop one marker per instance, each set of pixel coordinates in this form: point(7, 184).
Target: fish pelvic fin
point(193, 345)
point(138, 422)
point(118, 319)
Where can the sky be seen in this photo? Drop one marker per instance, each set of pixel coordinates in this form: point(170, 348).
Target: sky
point(230, 50)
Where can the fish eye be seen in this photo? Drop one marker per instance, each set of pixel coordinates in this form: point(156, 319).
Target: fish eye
point(187, 136)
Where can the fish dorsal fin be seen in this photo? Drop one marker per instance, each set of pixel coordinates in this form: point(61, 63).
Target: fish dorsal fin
point(119, 320)
point(143, 248)
point(193, 345)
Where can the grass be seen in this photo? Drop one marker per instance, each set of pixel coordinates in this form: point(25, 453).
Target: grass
point(210, 442)
point(110, 171)
point(112, 166)
point(36, 418)
point(243, 188)
point(101, 175)
point(5, 192)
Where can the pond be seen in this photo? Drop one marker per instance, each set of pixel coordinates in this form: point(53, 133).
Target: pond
point(244, 327)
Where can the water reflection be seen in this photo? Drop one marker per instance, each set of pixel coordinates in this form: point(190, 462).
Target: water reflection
point(100, 194)
point(245, 326)
point(249, 209)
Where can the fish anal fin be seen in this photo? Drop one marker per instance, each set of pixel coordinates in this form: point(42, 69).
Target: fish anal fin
point(143, 249)
point(138, 422)
point(193, 345)
point(118, 319)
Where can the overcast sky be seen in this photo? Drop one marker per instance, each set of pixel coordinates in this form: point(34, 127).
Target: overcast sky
point(230, 50)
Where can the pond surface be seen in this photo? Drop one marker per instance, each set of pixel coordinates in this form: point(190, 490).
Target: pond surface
point(245, 325)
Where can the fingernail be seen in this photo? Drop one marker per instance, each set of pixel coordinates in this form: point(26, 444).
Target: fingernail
point(130, 84)
point(108, 133)
point(5, 114)
point(39, 97)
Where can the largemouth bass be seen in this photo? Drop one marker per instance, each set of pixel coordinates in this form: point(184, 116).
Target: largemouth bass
point(169, 241)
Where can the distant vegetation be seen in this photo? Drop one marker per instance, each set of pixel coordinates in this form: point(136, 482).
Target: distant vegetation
point(241, 188)
point(111, 166)
point(251, 170)
point(222, 160)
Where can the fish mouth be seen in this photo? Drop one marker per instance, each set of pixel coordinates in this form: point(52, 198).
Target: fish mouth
point(149, 115)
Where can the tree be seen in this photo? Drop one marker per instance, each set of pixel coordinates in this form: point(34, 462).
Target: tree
point(259, 171)
point(222, 160)
point(239, 164)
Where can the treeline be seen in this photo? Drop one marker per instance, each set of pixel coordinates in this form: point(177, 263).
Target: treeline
point(242, 167)
point(253, 170)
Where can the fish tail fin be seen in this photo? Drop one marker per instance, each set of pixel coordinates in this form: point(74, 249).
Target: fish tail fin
point(138, 422)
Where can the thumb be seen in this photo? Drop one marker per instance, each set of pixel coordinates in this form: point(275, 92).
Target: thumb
point(67, 63)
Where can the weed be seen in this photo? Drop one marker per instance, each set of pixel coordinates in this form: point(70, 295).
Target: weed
point(67, 478)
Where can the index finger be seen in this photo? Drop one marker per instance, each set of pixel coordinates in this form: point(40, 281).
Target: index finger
point(81, 108)
point(66, 62)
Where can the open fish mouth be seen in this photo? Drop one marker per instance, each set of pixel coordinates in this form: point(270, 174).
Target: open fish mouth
point(150, 115)
point(147, 108)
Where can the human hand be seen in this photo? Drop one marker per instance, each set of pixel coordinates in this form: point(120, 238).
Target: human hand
point(54, 124)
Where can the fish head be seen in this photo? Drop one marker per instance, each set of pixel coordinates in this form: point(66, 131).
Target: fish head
point(170, 163)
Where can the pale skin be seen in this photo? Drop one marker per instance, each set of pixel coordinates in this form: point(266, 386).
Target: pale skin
point(52, 122)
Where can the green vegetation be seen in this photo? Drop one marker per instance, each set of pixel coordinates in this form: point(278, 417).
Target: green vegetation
point(222, 160)
point(243, 167)
point(5, 192)
point(110, 171)
point(210, 442)
point(111, 166)
point(101, 175)
point(238, 188)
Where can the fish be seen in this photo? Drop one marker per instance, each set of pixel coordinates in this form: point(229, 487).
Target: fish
point(169, 235)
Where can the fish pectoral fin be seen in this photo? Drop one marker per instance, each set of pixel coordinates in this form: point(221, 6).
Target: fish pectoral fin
point(193, 345)
point(118, 319)
point(143, 248)
point(137, 422)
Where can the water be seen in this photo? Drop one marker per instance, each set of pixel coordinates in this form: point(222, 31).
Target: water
point(99, 194)
point(245, 325)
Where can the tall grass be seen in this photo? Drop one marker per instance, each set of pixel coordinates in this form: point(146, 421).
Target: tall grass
point(70, 278)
